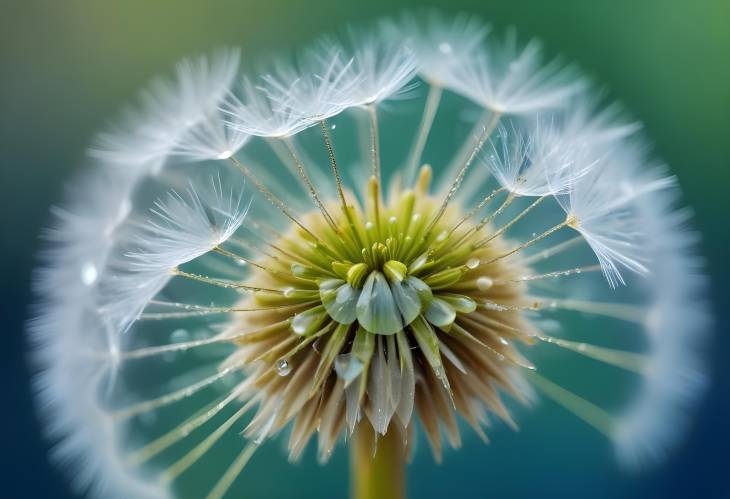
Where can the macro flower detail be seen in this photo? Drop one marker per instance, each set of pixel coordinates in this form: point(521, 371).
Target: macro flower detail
point(254, 255)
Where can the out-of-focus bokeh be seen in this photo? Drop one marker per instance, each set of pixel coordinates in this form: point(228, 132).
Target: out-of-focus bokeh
point(66, 67)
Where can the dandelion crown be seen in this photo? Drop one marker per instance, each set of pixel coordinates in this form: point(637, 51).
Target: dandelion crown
point(259, 254)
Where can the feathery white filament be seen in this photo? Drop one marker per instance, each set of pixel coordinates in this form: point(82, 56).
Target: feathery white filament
point(535, 162)
point(294, 96)
point(167, 110)
point(75, 348)
point(384, 67)
point(183, 229)
point(442, 46)
point(509, 80)
point(677, 323)
point(108, 266)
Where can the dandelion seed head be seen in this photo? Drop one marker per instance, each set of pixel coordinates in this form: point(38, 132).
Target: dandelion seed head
point(195, 291)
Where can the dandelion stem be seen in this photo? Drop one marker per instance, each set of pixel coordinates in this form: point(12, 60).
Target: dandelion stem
point(270, 196)
point(465, 149)
point(181, 431)
point(237, 257)
point(377, 473)
point(631, 361)
point(374, 141)
point(547, 275)
point(484, 221)
point(305, 178)
point(189, 459)
point(553, 250)
point(188, 345)
point(177, 395)
point(225, 482)
point(429, 113)
point(588, 412)
point(516, 219)
point(338, 180)
point(524, 245)
point(476, 209)
point(221, 283)
point(333, 162)
point(622, 311)
point(191, 310)
point(486, 132)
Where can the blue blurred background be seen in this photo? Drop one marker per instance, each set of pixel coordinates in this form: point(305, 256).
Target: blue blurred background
point(67, 66)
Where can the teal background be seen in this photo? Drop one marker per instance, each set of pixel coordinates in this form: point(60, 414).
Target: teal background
point(66, 67)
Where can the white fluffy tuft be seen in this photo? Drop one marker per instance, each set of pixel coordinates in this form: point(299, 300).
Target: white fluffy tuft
point(506, 79)
point(385, 67)
point(167, 110)
point(443, 47)
point(183, 229)
point(677, 325)
point(74, 347)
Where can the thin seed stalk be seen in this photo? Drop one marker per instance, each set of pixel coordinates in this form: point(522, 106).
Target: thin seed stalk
point(378, 476)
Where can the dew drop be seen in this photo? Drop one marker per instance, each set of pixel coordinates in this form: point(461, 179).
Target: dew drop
point(445, 48)
point(179, 335)
point(442, 236)
point(333, 127)
point(241, 263)
point(288, 292)
point(578, 271)
point(89, 274)
point(392, 220)
point(283, 367)
point(368, 225)
point(484, 283)
point(534, 234)
point(472, 263)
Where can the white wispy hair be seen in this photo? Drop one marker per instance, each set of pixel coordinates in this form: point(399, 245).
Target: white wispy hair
point(602, 206)
point(167, 109)
point(536, 160)
point(186, 227)
point(85, 237)
point(677, 326)
point(385, 67)
point(209, 139)
point(442, 46)
point(250, 110)
point(508, 80)
point(294, 95)
point(108, 268)
point(74, 347)
point(319, 85)
point(183, 228)
point(584, 122)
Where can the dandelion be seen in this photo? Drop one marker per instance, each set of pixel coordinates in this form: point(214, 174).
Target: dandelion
point(202, 291)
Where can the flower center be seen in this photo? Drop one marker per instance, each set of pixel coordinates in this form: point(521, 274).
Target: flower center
point(385, 267)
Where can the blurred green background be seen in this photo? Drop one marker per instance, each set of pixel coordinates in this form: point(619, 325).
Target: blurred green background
point(67, 66)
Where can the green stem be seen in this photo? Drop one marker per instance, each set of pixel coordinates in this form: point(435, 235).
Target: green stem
point(379, 476)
